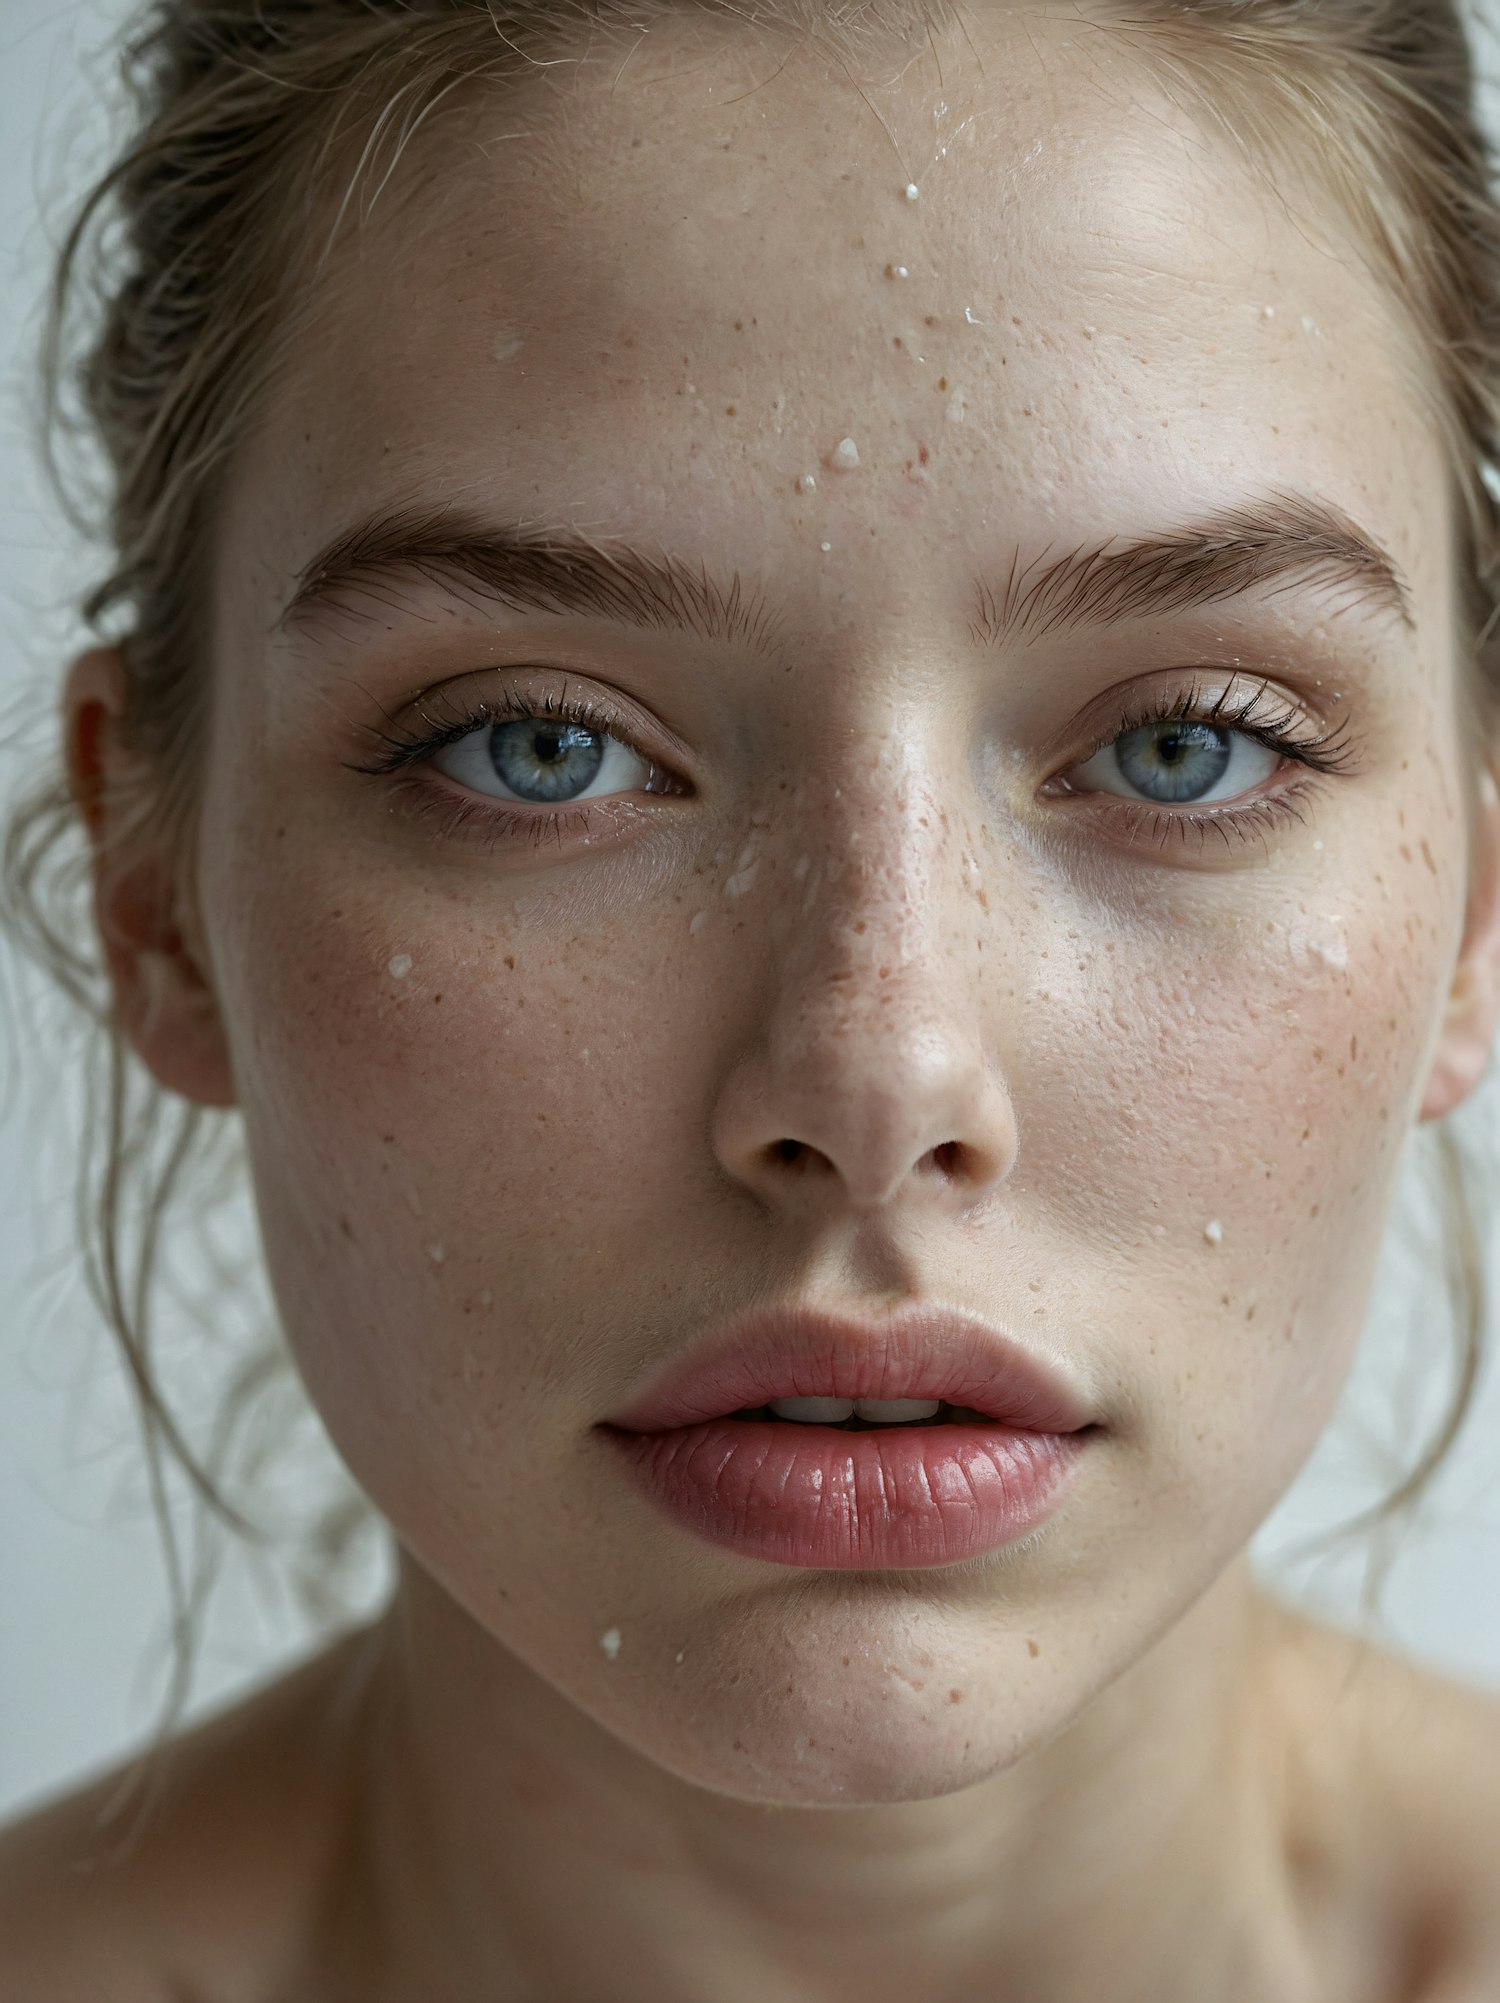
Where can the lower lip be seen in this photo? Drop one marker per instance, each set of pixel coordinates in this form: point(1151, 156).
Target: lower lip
point(817, 1496)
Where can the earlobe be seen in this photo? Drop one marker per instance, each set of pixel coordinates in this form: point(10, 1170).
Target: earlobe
point(165, 1006)
point(1466, 1043)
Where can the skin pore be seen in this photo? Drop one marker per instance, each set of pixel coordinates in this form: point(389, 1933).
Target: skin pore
point(512, 1103)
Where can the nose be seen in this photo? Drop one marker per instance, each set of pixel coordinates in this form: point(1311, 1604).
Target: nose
point(870, 1080)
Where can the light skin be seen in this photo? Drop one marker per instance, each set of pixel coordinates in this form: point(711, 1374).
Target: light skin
point(511, 1108)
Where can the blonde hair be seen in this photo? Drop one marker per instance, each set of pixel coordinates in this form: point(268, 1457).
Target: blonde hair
point(189, 270)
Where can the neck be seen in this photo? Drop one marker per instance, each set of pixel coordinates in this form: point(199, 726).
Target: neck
point(514, 1847)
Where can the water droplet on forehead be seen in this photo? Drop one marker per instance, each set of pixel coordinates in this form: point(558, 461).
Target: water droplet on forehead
point(845, 455)
point(912, 191)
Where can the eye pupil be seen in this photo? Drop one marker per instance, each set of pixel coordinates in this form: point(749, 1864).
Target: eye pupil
point(546, 762)
point(1174, 761)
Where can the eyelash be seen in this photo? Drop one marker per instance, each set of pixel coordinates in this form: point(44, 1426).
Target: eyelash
point(491, 820)
point(1334, 753)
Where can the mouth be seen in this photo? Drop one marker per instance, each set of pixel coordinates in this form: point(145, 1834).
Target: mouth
point(933, 1412)
point(802, 1438)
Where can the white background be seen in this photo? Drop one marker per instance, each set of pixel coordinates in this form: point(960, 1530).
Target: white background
point(82, 1602)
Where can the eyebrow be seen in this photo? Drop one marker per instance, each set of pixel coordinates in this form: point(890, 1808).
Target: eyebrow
point(1276, 540)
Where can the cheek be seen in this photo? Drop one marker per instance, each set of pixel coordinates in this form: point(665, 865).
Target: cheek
point(448, 1118)
point(1237, 1091)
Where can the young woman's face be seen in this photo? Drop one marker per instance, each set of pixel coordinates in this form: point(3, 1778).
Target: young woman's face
point(1106, 1036)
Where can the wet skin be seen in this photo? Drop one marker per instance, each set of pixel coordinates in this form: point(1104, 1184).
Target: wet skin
point(1129, 1079)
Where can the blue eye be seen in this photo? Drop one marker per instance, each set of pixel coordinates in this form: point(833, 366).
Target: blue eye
point(542, 761)
point(1179, 763)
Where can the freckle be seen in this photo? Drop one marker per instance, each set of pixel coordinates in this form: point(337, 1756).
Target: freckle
point(509, 961)
point(739, 327)
point(1315, 1209)
point(1031, 1647)
point(1427, 858)
point(942, 382)
point(729, 410)
point(846, 1662)
point(1354, 1046)
point(1250, 1314)
point(389, 1139)
point(931, 320)
point(436, 999)
point(1406, 851)
point(1317, 1056)
point(346, 1227)
point(955, 1696)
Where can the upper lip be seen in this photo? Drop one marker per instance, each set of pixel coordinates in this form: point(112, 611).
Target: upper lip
point(922, 1351)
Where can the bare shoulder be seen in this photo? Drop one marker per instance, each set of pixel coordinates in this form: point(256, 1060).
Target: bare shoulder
point(198, 1884)
point(1412, 1755)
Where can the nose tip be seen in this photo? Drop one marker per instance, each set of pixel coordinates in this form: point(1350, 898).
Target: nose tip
point(863, 1116)
point(957, 1167)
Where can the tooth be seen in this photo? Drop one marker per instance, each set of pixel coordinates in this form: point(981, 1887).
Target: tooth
point(893, 1410)
point(814, 1411)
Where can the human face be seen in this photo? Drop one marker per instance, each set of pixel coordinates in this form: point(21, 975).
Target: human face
point(1127, 1083)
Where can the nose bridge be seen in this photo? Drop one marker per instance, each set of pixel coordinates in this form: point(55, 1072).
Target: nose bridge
point(876, 899)
point(871, 1064)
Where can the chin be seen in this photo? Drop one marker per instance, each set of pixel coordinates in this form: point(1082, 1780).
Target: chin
point(842, 1767)
point(847, 1725)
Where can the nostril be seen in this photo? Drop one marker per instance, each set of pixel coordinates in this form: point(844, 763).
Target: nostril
point(786, 1151)
point(948, 1159)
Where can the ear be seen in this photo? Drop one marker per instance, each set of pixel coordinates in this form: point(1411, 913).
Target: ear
point(165, 1005)
point(1466, 1040)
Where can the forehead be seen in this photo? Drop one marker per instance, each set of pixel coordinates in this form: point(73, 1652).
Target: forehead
point(650, 293)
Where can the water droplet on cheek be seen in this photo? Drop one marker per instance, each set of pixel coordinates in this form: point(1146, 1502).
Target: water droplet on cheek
point(609, 1641)
point(1214, 1232)
point(695, 923)
point(399, 966)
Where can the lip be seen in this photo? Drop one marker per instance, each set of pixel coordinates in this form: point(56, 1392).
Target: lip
point(818, 1496)
point(924, 1351)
